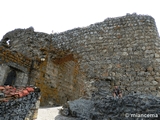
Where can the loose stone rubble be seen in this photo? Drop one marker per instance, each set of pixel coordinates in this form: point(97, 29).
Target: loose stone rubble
point(15, 104)
point(109, 108)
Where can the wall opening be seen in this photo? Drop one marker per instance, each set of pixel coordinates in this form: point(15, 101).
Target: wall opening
point(6, 41)
point(11, 78)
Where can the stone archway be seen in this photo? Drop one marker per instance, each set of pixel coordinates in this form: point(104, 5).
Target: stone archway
point(11, 78)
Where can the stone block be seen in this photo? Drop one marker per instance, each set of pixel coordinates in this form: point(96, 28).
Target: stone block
point(146, 83)
point(152, 88)
point(154, 82)
point(139, 83)
point(158, 60)
point(157, 79)
point(105, 74)
point(158, 94)
point(150, 78)
point(157, 55)
point(125, 53)
point(150, 68)
point(35, 114)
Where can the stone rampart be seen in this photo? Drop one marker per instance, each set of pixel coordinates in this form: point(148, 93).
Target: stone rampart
point(123, 49)
point(72, 64)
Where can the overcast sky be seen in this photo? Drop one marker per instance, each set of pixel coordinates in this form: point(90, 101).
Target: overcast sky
point(62, 15)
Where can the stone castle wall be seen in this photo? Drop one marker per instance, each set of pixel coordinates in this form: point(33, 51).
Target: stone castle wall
point(123, 49)
point(51, 69)
point(13, 59)
point(72, 64)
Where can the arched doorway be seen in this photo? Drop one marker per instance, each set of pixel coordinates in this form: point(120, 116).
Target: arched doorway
point(11, 78)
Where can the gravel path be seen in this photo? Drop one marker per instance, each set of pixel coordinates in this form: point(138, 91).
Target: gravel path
point(47, 113)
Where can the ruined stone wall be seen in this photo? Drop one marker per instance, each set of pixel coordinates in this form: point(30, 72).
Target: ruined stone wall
point(124, 49)
point(75, 63)
point(16, 60)
point(53, 70)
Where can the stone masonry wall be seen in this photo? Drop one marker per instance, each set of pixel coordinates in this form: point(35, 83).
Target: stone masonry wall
point(15, 60)
point(123, 49)
point(51, 69)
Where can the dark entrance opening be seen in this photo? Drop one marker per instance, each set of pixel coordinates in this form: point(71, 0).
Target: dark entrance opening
point(11, 78)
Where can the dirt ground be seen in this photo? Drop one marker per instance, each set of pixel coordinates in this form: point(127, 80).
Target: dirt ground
point(47, 113)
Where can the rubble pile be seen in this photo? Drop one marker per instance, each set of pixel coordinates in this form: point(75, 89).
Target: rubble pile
point(19, 103)
point(109, 108)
